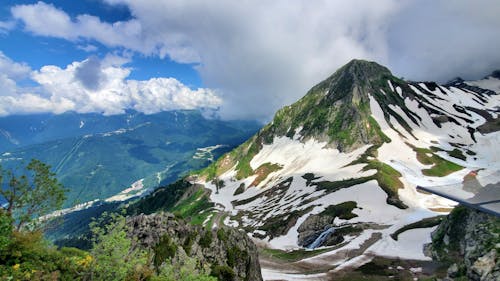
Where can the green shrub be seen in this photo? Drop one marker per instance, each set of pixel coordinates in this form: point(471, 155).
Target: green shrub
point(5, 230)
point(188, 243)
point(223, 273)
point(206, 239)
point(188, 271)
point(221, 234)
point(165, 249)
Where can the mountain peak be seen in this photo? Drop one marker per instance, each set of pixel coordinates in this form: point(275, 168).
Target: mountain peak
point(352, 82)
point(363, 69)
point(337, 109)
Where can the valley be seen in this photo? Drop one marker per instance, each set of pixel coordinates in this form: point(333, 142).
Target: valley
point(151, 149)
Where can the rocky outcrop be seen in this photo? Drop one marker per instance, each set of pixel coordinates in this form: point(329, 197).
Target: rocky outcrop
point(313, 227)
point(469, 241)
point(323, 226)
point(227, 253)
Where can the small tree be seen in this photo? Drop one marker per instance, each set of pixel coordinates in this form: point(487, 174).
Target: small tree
point(114, 257)
point(30, 195)
point(5, 231)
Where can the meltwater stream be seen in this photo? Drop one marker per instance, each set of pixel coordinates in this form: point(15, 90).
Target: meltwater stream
point(321, 238)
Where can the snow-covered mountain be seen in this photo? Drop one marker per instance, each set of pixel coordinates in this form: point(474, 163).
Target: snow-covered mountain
point(338, 169)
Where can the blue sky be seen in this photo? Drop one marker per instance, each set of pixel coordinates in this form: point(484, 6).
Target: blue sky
point(38, 51)
point(240, 59)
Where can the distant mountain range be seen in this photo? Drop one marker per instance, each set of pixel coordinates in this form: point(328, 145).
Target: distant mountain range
point(116, 157)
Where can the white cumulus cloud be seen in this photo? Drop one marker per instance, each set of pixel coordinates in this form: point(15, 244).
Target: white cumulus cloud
point(71, 88)
point(10, 72)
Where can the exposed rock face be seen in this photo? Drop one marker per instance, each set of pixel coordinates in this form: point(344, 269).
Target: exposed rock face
point(312, 228)
point(227, 252)
point(316, 225)
point(470, 240)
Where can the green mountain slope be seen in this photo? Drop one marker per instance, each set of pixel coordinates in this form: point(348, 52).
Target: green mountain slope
point(158, 148)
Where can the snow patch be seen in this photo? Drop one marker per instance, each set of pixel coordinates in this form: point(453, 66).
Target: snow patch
point(409, 245)
point(489, 83)
point(206, 152)
point(136, 189)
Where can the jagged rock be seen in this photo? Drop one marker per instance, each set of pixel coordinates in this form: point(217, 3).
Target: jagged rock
point(312, 227)
point(484, 265)
point(453, 270)
point(470, 240)
point(225, 247)
point(317, 224)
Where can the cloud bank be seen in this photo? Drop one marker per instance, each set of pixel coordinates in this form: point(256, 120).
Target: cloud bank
point(262, 55)
point(93, 85)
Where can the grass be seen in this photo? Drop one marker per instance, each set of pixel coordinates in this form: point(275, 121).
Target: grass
point(332, 186)
point(388, 179)
point(457, 153)
point(195, 207)
point(386, 176)
point(375, 130)
point(292, 256)
point(241, 156)
point(423, 155)
point(243, 168)
point(440, 167)
point(364, 158)
point(424, 223)
point(210, 222)
point(263, 171)
point(341, 128)
point(342, 210)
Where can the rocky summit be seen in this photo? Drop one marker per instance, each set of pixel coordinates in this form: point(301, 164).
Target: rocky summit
point(227, 253)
